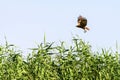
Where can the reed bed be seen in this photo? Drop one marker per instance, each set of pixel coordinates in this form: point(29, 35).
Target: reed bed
point(76, 62)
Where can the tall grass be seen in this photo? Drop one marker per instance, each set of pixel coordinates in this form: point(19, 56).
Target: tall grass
point(76, 62)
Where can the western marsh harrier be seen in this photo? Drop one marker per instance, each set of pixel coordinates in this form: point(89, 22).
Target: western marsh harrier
point(82, 23)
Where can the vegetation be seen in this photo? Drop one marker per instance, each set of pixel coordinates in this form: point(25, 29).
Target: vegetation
point(77, 62)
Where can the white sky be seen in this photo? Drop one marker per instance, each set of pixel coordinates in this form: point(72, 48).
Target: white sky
point(24, 22)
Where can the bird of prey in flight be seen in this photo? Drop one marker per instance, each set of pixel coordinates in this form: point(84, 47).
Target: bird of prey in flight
point(82, 23)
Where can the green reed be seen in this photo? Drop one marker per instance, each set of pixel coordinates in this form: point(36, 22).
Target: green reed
point(76, 62)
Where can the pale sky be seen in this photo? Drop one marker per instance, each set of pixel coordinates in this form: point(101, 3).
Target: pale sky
point(24, 22)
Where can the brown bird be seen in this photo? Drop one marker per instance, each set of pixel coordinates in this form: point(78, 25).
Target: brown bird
point(82, 23)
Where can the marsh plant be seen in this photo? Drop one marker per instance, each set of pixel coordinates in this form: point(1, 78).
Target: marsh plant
point(76, 62)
